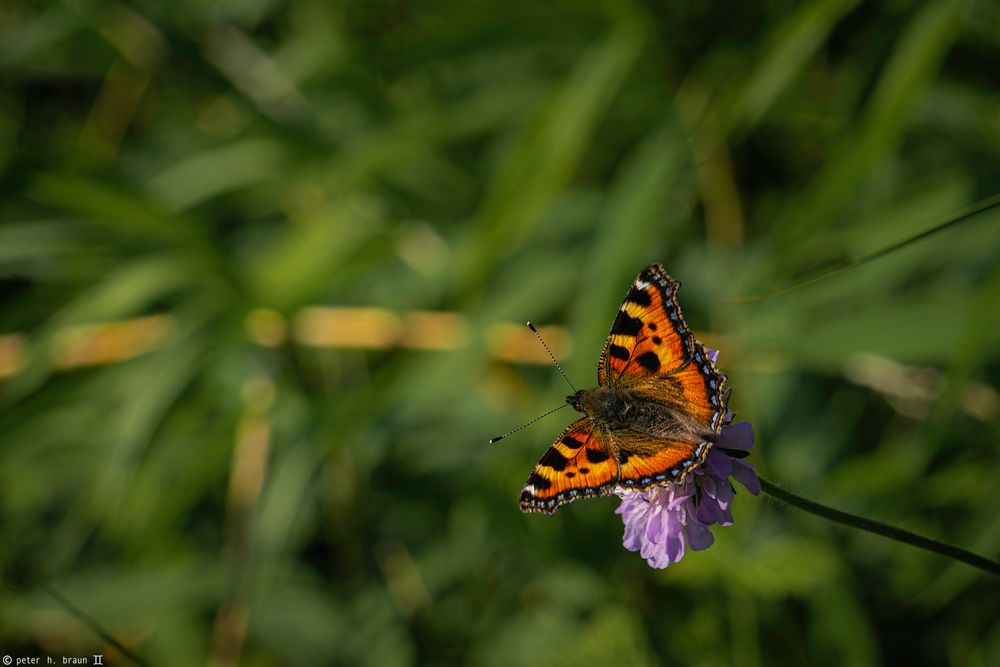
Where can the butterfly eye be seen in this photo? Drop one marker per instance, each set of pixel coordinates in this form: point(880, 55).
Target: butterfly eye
point(576, 400)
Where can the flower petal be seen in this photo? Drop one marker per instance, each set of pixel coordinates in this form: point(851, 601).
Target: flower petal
point(724, 493)
point(737, 436)
point(699, 536)
point(675, 544)
point(717, 464)
point(714, 506)
point(633, 535)
point(658, 526)
point(744, 473)
point(655, 555)
point(678, 495)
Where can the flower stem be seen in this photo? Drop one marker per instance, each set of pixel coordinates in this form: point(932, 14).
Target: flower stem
point(893, 533)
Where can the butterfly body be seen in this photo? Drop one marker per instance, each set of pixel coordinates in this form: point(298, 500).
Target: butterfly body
point(658, 407)
point(618, 410)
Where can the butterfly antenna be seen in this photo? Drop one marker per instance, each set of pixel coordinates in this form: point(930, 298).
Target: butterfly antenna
point(523, 426)
point(551, 356)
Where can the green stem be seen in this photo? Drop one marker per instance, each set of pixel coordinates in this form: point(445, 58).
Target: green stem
point(968, 214)
point(893, 533)
point(87, 620)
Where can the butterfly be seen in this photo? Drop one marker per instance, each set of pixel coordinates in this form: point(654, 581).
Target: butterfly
point(658, 407)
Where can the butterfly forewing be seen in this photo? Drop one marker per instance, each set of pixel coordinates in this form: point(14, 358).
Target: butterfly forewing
point(649, 336)
point(579, 464)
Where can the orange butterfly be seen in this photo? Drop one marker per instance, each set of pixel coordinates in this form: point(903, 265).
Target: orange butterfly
point(658, 407)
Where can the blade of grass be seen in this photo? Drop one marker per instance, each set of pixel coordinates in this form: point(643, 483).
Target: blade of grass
point(970, 213)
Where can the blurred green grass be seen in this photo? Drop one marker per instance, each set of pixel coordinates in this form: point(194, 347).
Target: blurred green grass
point(216, 500)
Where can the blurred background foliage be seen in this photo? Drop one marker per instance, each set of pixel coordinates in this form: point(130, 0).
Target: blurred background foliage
point(261, 264)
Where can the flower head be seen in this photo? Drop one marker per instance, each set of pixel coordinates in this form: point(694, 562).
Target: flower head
point(660, 521)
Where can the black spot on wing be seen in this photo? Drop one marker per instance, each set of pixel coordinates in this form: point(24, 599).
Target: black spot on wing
point(584, 471)
point(649, 361)
point(596, 455)
point(623, 456)
point(554, 459)
point(652, 326)
point(640, 297)
point(626, 325)
point(618, 352)
point(657, 340)
point(538, 481)
point(572, 442)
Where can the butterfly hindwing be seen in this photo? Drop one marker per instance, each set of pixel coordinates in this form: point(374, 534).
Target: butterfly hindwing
point(579, 464)
point(703, 386)
point(657, 462)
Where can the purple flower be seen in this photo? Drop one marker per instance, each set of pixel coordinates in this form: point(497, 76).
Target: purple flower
point(660, 520)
